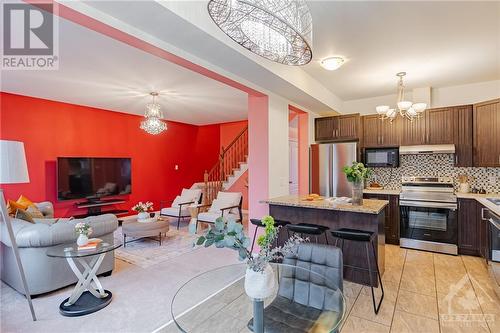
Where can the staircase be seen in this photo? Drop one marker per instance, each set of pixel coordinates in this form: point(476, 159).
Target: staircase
point(233, 162)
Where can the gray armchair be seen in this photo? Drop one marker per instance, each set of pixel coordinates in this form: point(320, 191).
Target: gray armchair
point(305, 300)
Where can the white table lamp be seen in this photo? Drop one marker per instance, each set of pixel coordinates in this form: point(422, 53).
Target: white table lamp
point(14, 170)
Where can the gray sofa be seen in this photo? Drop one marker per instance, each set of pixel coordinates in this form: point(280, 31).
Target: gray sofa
point(44, 273)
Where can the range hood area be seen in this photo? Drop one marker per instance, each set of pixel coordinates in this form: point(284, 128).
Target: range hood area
point(427, 149)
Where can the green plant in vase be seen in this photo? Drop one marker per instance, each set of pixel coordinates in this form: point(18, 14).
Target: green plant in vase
point(357, 173)
point(259, 278)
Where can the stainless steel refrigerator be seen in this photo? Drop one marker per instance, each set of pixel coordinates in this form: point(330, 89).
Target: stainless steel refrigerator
point(326, 163)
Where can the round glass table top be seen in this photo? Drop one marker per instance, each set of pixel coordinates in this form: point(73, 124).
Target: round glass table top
point(70, 250)
point(302, 300)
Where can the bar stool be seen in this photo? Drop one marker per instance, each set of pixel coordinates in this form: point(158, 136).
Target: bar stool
point(258, 224)
point(364, 237)
point(309, 229)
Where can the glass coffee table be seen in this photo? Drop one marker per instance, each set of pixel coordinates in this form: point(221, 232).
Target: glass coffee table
point(215, 301)
point(88, 296)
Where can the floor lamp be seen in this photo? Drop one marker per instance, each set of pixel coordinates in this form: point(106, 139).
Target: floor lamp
point(13, 170)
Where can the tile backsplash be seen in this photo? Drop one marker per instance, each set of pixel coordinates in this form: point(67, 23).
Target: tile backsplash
point(436, 165)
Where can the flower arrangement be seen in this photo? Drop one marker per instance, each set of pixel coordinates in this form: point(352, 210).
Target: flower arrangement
point(83, 228)
point(143, 207)
point(357, 172)
point(230, 234)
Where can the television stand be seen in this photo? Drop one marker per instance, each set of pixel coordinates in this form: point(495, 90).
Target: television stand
point(94, 207)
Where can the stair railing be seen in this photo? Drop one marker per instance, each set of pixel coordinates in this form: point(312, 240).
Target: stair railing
point(230, 159)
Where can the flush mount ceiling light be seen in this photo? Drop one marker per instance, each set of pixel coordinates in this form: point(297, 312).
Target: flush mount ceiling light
point(278, 30)
point(332, 63)
point(152, 122)
point(407, 109)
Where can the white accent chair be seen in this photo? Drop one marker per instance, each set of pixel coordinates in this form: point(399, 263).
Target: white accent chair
point(180, 206)
point(227, 204)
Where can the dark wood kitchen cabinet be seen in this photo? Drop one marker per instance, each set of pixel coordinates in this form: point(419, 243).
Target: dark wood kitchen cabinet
point(468, 227)
point(486, 143)
point(441, 126)
point(413, 132)
point(391, 216)
point(463, 136)
point(380, 133)
point(338, 128)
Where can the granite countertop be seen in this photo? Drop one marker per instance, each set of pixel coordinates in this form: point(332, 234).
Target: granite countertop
point(370, 206)
point(382, 191)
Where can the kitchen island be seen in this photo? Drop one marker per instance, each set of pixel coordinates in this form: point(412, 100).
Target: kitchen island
point(368, 217)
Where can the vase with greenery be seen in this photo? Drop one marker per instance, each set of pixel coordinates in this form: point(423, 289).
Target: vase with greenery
point(357, 173)
point(83, 230)
point(259, 277)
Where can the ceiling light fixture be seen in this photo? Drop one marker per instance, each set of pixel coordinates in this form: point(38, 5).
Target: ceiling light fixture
point(278, 30)
point(407, 109)
point(152, 122)
point(332, 63)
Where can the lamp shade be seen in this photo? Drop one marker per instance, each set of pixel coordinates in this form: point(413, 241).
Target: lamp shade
point(13, 167)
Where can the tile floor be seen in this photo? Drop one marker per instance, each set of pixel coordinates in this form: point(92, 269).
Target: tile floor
point(426, 292)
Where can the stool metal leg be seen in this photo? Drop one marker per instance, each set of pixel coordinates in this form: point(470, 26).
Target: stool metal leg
point(376, 308)
point(326, 238)
point(254, 235)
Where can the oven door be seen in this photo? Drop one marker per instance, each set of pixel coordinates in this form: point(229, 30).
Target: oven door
point(429, 221)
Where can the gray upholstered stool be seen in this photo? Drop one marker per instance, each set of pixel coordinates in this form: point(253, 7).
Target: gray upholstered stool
point(367, 238)
point(144, 230)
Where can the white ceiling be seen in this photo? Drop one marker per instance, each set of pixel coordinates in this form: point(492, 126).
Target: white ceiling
point(437, 43)
point(101, 72)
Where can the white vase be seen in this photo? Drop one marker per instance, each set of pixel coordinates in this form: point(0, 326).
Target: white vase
point(142, 215)
point(82, 240)
point(259, 285)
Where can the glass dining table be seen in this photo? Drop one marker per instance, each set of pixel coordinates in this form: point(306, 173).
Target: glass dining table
point(215, 301)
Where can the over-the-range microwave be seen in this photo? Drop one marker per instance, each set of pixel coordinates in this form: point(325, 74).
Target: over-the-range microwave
point(382, 157)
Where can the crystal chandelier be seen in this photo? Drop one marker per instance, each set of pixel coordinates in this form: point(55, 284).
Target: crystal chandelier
point(152, 123)
point(278, 30)
point(406, 109)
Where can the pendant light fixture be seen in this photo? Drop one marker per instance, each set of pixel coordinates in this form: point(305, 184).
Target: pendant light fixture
point(405, 108)
point(278, 30)
point(152, 122)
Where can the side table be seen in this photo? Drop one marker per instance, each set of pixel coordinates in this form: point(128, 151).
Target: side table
point(88, 296)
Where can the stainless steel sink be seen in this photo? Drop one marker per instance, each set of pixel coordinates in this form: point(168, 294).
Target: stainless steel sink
point(496, 201)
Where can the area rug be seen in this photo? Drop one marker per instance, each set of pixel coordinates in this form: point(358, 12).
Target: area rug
point(147, 252)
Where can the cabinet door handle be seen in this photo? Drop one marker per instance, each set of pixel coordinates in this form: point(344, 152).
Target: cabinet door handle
point(482, 214)
point(456, 158)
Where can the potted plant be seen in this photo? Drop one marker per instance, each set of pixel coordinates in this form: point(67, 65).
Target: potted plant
point(259, 276)
point(356, 174)
point(83, 230)
point(142, 209)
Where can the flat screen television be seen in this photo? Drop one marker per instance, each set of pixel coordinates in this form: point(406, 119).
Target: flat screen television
point(92, 177)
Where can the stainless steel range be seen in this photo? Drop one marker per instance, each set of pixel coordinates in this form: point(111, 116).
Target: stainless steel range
point(428, 207)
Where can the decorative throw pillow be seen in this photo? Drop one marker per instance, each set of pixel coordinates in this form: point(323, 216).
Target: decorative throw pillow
point(34, 212)
point(13, 206)
point(25, 201)
point(24, 215)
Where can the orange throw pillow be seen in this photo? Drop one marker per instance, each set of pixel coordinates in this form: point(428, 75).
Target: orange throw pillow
point(13, 206)
point(25, 201)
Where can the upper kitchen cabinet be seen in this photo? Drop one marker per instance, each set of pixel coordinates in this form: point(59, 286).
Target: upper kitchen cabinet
point(380, 133)
point(440, 126)
point(338, 128)
point(413, 132)
point(486, 146)
point(324, 128)
point(463, 136)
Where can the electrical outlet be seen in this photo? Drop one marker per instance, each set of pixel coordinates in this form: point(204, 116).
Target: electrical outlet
point(176, 167)
point(492, 180)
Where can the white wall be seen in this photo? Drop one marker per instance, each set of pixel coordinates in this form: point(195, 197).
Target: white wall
point(278, 146)
point(445, 96)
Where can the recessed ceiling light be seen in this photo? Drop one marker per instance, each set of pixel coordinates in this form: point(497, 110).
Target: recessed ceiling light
point(332, 63)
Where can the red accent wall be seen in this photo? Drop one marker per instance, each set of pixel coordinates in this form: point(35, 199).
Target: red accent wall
point(229, 131)
point(50, 129)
